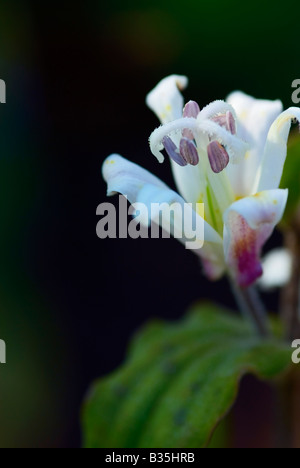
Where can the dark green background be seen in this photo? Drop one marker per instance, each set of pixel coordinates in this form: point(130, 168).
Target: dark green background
point(77, 75)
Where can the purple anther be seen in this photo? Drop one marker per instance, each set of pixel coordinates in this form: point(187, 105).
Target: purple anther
point(227, 121)
point(230, 123)
point(189, 151)
point(218, 157)
point(173, 151)
point(191, 110)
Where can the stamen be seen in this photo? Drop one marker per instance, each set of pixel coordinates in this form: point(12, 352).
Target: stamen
point(220, 120)
point(189, 151)
point(173, 151)
point(230, 123)
point(235, 147)
point(191, 110)
point(226, 121)
point(218, 157)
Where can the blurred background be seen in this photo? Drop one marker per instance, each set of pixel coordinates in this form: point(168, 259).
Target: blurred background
point(76, 81)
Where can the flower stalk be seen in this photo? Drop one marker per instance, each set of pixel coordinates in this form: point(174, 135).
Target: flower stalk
point(290, 298)
point(252, 308)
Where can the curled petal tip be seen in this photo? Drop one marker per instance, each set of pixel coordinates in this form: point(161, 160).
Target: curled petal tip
point(275, 151)
point(165, 100)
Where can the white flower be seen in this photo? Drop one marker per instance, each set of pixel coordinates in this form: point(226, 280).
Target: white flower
point(277, 266)
point(229, 156)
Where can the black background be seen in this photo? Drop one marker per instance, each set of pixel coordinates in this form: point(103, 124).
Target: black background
point(86, 83)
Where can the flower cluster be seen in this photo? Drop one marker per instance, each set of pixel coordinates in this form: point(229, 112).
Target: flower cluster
point(230, 157)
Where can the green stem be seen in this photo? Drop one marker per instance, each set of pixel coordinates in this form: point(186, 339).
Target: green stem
point(290, 302)
point(252, 308)
point(289, 310)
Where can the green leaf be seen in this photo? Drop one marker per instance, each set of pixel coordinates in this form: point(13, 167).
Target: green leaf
point(291, 177)
point(179, 381)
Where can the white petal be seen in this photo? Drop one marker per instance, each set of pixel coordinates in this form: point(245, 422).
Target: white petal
point(255, 117)
point(211, 253)
point(277, 267)
point(271, 168)
point(248, 224)
point(127, 178)
point(139, 185)
point(166, 100)
point(150, 195)
point(189, 182)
